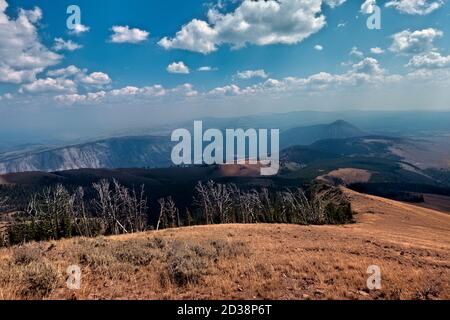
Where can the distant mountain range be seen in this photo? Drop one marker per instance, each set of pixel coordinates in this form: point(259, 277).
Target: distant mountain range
point(339, 138)
point(141, 151)
point(392, 123)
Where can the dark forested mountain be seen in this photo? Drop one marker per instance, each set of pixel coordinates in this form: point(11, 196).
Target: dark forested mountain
point(307, 135)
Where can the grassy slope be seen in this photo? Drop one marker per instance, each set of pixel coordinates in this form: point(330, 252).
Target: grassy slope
point(410, 244)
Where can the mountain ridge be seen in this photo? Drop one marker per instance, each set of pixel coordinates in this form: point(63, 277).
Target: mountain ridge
point(136, 151)
point(339, 129)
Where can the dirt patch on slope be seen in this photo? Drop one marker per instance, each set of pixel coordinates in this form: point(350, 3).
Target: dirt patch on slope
point(347, 176)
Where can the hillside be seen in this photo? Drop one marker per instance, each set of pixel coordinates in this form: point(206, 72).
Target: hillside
point(124, 152)
point(411, 245)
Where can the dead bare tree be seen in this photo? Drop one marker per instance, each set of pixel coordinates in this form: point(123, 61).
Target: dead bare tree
point(215, 201)
point(267, 205)
point(314, 209)
point(331, 205)
point(162, 218)
point(222, 201)
point(139, 210)
point(247, 205)
point(85, 224)
point(254, 207)
point(169, 216)
point(51, 212)
point(203, 201)
point(296, 206)
point(122, 210)
point(108, 207)
point(132, 207)
point(189, 219)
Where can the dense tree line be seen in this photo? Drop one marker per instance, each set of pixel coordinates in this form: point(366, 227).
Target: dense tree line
point(55, 212)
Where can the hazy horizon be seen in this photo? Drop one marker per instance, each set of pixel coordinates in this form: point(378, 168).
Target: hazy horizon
point(145, 65)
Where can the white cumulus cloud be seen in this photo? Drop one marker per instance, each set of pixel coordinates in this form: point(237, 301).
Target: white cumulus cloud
point(65, 72)
point(334, 3)
point(206, 69)
point(96, 79)
point(230, 90)
point(178, 67)
point(412, 42)
point(355, 52)
point(377, 50)
point(22, 55)
point(69, 45)
point(412, 7)
point(368, 6)
point(429, 60)
point(248, 74)
point(252, 22)
point(123, 34)
point(415, 7)
point(49, 85)
point(78, 77)
point(79, 29)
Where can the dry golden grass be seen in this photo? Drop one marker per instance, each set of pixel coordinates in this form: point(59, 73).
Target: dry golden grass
point(410, 244)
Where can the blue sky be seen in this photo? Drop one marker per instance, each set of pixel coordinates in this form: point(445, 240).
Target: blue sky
point(260, 56)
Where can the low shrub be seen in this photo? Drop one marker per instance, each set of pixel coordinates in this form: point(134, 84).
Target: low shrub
point(39, 279)
point(184, 265)
point(25, 255)
point(97, 260)
point(134, 253)
point(225, 249)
